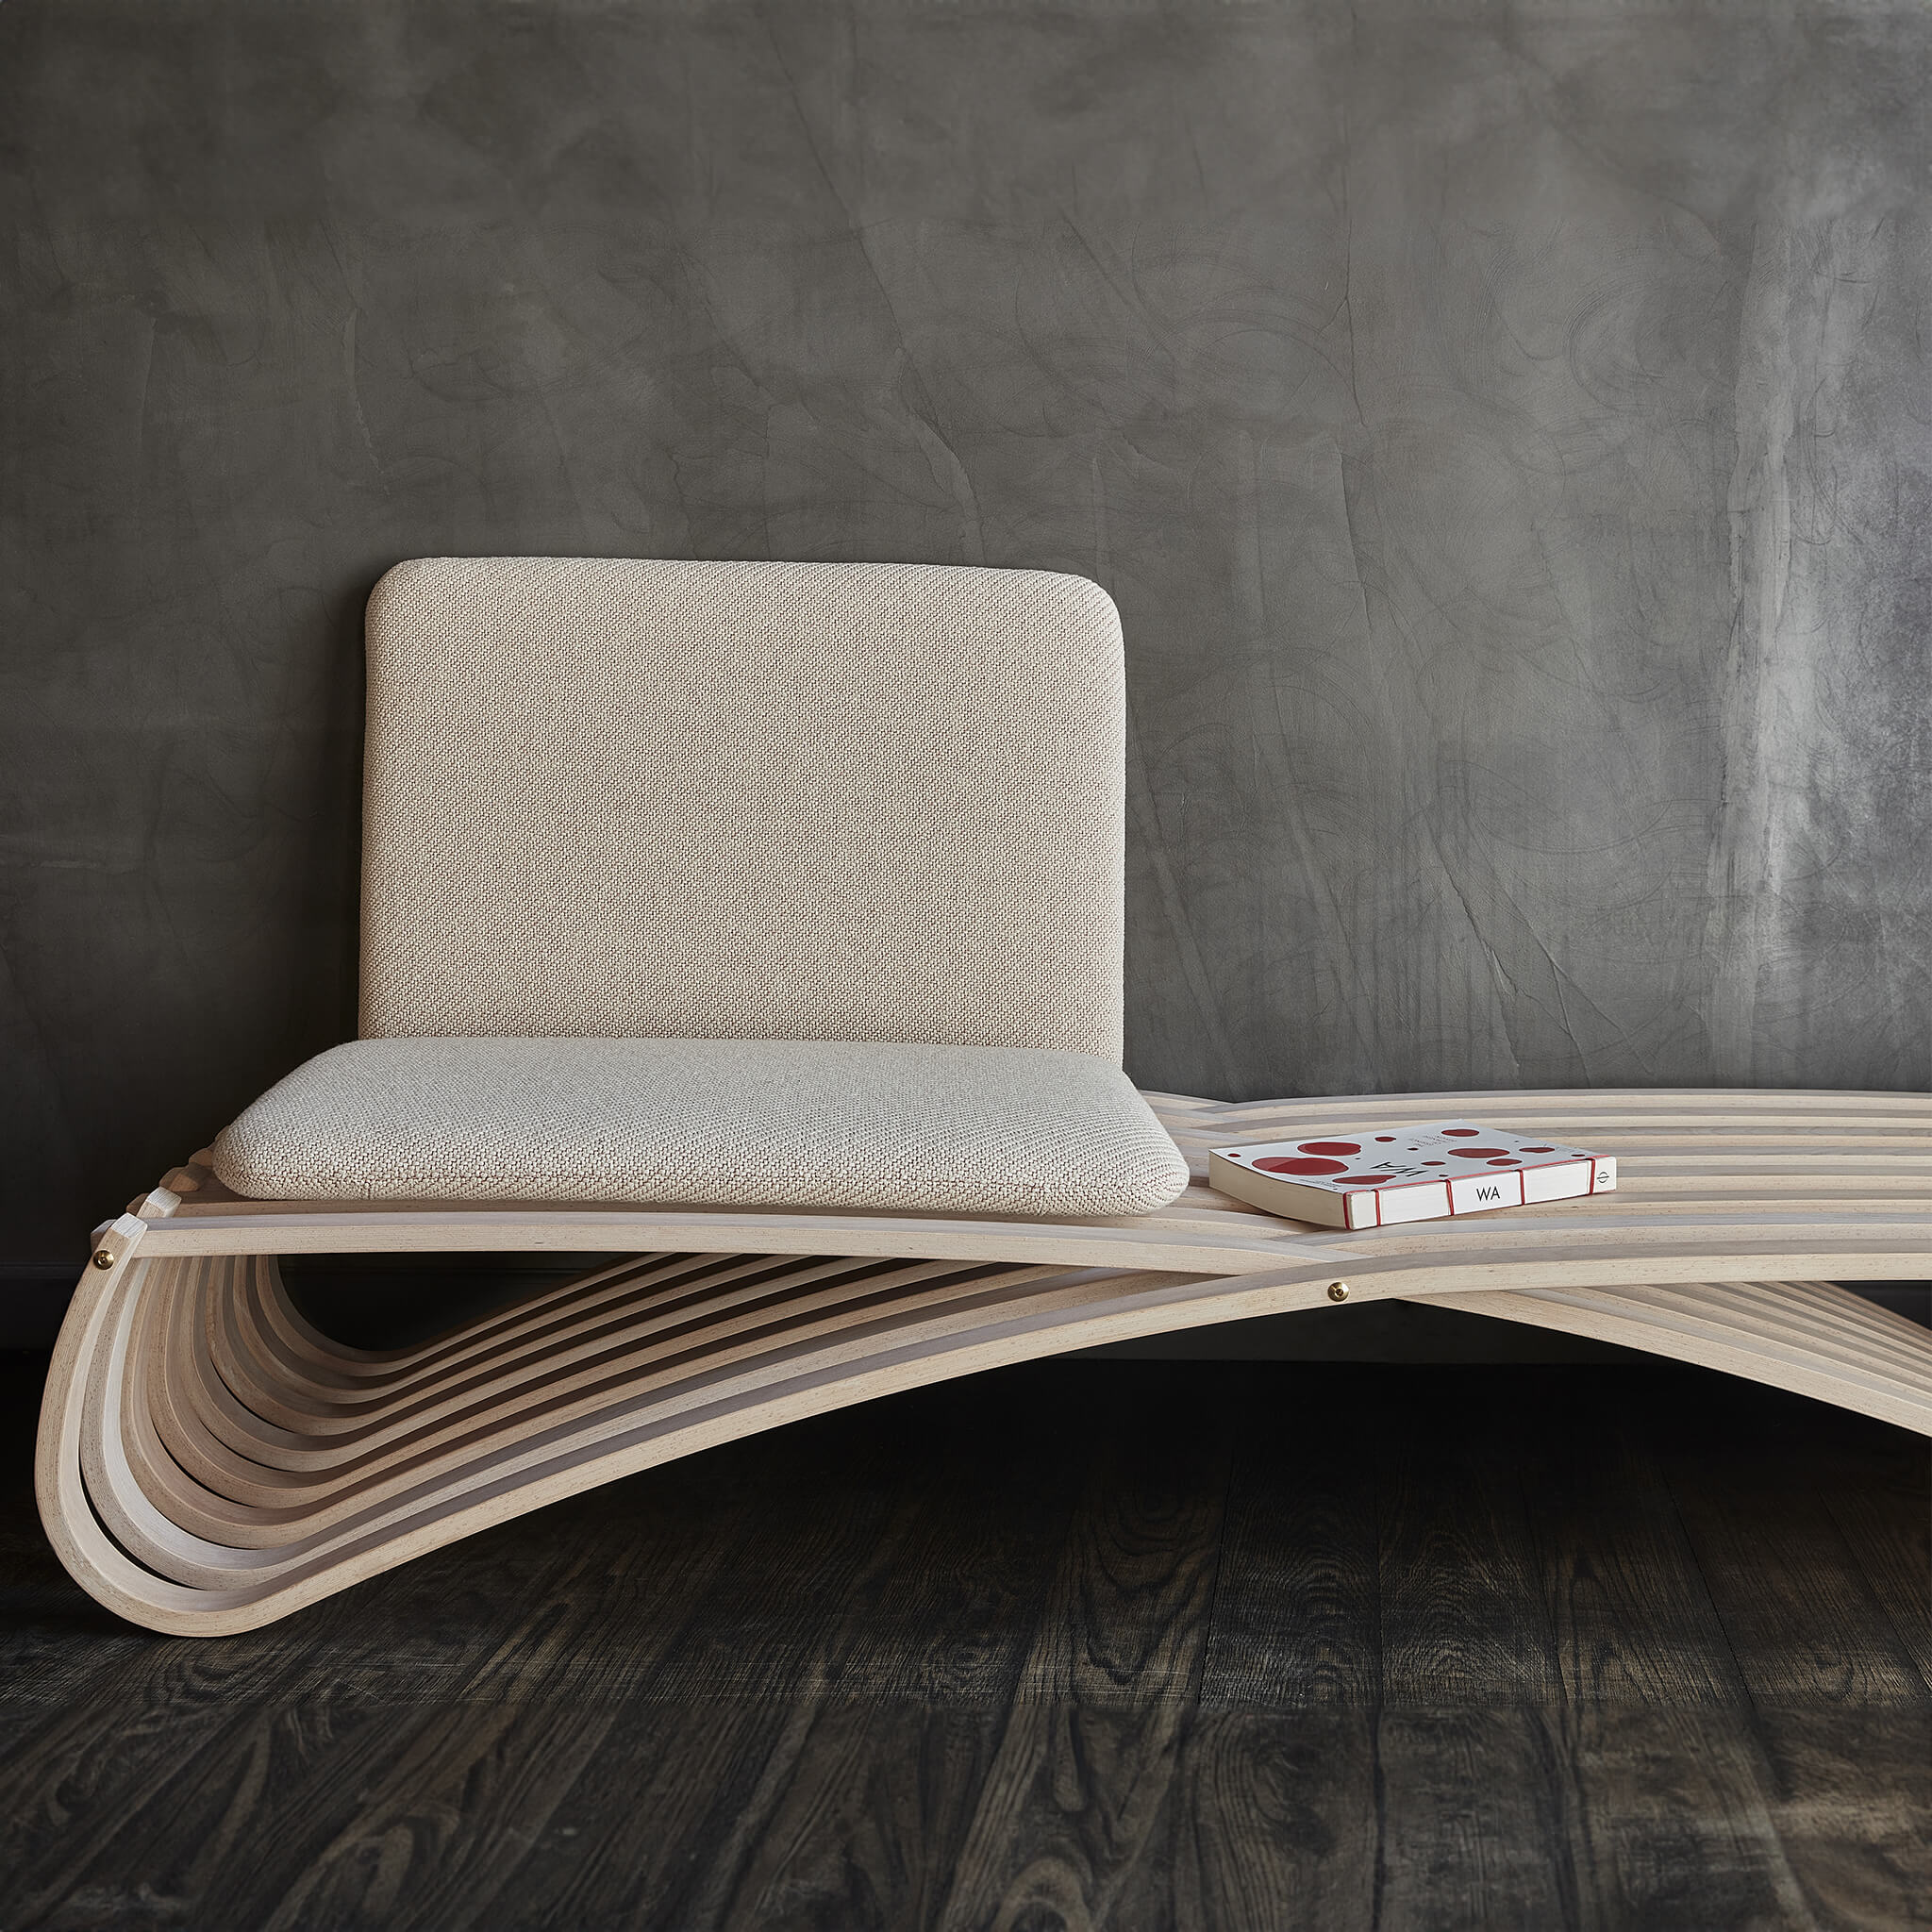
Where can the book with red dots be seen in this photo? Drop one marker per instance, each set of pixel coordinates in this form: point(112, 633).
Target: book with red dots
point(1409, 1173)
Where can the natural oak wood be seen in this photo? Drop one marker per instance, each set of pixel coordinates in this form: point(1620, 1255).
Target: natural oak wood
point(209, 1461)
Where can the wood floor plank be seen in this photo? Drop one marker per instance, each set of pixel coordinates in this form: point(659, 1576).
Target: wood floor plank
point(141, 1842)
point(1470, 1822)
point(914, 1569)
point(1078, 1792)
point(1072, 1821)
point(85, 1774)
point(1297, 1610)
point(55, 1640)
point(1463, 1617)
point(542, 1625)
point(440, 1836)
point(1619, 1817)
point(1799, 1610)
point(1090, 1645)
point(1667, 1820)
point(1132, 1594)
point(878, 1801)
point(1850, 1797)
point(437, 1831)
point(985, 1488)
point(888, 1622)
point(1631, 1613)
point(645, 1839)
point(765, 1623)
point(884, 1566)
point(1278, 1822)
point(1878, 1489)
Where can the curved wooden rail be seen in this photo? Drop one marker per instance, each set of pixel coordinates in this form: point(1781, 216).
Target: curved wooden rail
point(208, 1462)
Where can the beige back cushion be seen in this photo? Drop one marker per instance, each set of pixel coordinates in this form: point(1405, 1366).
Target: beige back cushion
point(742, 801)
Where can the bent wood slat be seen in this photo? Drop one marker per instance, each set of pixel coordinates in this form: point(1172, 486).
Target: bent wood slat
point(1803, 1336)
point(209, 1460)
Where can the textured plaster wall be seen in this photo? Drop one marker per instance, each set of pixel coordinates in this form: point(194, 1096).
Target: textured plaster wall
point(1503, 427)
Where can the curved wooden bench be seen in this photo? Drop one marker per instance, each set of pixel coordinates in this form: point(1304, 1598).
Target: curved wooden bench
point(209, 1462)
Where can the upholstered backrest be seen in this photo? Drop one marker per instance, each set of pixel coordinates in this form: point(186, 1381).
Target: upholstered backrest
point(763, 801)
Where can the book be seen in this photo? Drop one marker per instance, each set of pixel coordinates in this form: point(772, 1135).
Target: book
point(1377, 1179)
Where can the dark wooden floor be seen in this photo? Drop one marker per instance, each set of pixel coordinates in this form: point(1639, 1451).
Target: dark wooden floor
point(1115, 1645)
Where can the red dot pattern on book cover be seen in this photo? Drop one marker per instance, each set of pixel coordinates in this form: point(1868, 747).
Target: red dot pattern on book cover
point(1331, 1157)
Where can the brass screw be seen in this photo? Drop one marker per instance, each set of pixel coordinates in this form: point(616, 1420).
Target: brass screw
point(1337, 1291)
point(104, 1258)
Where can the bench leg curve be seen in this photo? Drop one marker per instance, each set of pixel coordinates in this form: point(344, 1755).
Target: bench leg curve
point(1812, 1338)
point(208, 1462)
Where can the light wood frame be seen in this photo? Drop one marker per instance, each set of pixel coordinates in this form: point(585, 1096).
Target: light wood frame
point(209, 1462)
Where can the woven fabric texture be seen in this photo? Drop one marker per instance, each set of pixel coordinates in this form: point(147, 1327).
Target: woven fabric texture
point(747, 1124)
point(743, 801)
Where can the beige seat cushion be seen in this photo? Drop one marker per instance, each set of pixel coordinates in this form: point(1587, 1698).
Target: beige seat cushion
point(743, 801)
point(758, 1124)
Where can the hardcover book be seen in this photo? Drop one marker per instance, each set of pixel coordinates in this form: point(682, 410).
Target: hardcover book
point(1378, 1178)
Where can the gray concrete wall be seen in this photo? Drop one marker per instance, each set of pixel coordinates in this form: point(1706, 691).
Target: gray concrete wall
point(1503, 427)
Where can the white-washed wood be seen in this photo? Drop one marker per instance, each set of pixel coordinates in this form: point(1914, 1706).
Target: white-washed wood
point(1811, 1337)
point(211, 1461)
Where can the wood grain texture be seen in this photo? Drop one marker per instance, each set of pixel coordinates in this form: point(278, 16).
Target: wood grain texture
point(209, 1461)
point(1814, 1630)
point(1460, 1607)
point(1298, 1600)
point(1630, 1615)
point(1080, 1783)
point(809, 1681)
point(1875, 1870)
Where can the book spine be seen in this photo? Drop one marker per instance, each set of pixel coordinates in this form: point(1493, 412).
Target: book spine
point(1563, 1180)
point(1482, 1194)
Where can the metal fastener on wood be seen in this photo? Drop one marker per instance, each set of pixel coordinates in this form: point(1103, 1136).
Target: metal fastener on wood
point(1337, 1291)
point(104, 1258)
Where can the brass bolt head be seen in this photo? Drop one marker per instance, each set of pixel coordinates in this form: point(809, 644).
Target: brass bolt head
point(1337, 1291)
point(104, 1258)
